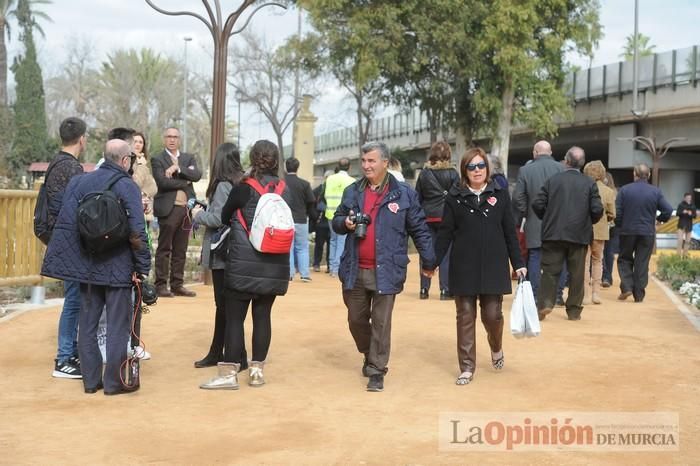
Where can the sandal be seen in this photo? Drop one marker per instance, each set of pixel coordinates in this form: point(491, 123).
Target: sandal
point(497, 363)
point(464, 378)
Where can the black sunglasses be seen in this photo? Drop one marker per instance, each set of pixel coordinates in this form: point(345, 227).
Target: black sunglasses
point(473, 166)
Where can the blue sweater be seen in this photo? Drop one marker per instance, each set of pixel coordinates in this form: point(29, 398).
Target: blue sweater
point(636, 206)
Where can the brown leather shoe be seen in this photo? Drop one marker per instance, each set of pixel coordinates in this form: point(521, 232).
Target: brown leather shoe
point(624, 295)
point(164, 292)
point(182, 291)
point(542, 313)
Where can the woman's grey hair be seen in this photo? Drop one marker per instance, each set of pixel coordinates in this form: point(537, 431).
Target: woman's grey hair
point(378, 146)
point(496, 167)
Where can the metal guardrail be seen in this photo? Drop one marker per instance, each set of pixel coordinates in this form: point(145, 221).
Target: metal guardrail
point(21, 253)
point(672, 68)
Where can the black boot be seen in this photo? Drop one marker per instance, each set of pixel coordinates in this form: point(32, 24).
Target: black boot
point(423, 293)
point(209, 360)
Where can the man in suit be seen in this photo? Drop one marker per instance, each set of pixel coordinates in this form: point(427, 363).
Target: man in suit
point(174, 172)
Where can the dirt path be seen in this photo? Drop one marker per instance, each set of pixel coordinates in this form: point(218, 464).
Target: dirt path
point(314, 409)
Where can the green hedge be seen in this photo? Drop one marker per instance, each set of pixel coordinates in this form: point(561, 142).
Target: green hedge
point(678, 270)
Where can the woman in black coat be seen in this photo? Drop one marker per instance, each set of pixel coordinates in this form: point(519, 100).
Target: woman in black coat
point(434, 181)
point(478, 224)
point(251, 278)
point(226, 172)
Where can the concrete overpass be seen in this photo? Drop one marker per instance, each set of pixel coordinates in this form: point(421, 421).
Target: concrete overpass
point(602, 103)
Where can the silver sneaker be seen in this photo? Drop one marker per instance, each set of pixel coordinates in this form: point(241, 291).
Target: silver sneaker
point(227, 379)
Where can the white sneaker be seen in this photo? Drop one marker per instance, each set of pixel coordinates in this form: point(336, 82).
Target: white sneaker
point(141, 353)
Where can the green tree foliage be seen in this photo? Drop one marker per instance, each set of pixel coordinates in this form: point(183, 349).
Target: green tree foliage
point(8, 10)
point(525, 42)
point(643, 44)
point(354, 42)
point(31, 136)
point(470, 65)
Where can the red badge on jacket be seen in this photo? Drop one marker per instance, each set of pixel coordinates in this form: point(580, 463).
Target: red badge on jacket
point(393, 207)
point(492, 200)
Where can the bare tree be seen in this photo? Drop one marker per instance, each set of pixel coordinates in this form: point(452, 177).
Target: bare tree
point(221, 31)
point(264, 77)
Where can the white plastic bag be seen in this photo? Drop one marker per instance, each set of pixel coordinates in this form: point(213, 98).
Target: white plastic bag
point(524, 321)
point(517, 314)
point(532, 318)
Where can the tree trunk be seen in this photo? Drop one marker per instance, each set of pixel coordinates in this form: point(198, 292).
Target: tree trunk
point(361, 136)
point(501, 142)
point(280, 169)
point(3, 65)
point(218, 126)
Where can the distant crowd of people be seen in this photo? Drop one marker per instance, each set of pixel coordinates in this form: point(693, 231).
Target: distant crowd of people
point(560, 228)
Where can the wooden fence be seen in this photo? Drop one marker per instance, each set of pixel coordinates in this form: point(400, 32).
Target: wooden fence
point(21, 253)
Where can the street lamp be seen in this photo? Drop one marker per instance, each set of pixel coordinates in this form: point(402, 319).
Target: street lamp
point(239, 96)
point(657, 153)
point(184, 101)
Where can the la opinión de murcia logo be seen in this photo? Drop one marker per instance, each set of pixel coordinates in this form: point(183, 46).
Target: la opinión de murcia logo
point(580, 431)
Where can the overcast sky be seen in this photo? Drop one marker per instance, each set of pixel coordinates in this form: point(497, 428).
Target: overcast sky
point(113, 24)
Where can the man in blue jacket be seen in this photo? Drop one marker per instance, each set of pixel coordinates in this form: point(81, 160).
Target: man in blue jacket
point(377, 213)
point(636, 206)
point(105, 279)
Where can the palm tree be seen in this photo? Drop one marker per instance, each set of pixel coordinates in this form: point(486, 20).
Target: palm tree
point(645, 50)
point(8, 10)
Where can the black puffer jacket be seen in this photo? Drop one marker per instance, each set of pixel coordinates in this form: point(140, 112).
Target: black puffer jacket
point(249, 271)
point(433, 183)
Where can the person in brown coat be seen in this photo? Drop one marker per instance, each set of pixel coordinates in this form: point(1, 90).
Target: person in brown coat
point(601, 233)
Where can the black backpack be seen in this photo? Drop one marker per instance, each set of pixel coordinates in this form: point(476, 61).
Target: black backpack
point(102, 219)
point(43, 227)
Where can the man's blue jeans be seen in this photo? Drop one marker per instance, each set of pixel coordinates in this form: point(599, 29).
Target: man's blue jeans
point(299, 255)
point(68, 322)
point(336, 250)
point(534, 268)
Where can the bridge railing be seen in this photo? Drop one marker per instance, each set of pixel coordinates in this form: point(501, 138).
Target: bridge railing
point(21, 252)
point(680, 66)
point(672, 68)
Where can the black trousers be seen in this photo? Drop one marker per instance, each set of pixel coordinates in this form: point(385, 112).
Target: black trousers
point(117, 303)
point(172, 248)
point(323, 241)
point(236, 311)
point(633, 264)
point(217, 342)
point(554, 254)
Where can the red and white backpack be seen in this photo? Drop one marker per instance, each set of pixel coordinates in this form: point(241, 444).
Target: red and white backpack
point(272, 231)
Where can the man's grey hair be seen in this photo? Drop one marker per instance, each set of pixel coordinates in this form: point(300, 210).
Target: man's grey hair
point(575, 157)
point(378, 146)
point(116, 150)
point(641, 171)
point(165, 130)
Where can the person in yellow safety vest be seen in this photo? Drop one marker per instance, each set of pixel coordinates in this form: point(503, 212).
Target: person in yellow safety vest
point(335, 185)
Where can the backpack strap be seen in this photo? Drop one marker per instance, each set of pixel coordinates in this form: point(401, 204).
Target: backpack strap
point(239, 214)
point(111, 182)
point(49, 169)
point(280, 187)
point(255, 184)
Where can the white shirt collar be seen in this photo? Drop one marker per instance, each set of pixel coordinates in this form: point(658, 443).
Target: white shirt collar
point(176, 155)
